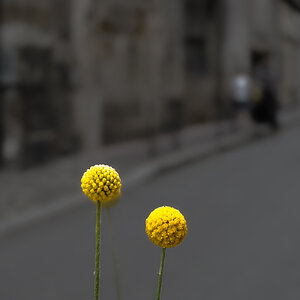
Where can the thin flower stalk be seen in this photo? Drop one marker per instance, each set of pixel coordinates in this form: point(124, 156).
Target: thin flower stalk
point(166, 227)
point(102, 184)
point(160, 273)
point(97, 256)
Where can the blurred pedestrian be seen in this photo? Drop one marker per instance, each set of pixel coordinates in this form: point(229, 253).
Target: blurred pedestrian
point(240, 97)
point(265, 105)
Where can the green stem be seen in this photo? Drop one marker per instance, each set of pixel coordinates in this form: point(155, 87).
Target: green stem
point(160, 274)
point(97, 258)
point(113, 254)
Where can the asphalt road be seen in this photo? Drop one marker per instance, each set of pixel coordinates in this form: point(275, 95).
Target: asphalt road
point(243, 241)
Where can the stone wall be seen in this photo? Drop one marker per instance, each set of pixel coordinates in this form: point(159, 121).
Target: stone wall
point(290, 45)
point(114, 70)
point(35, 81)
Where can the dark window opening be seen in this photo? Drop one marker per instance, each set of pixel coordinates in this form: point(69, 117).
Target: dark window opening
point(195, 58)
point(196, 8)
point(258, 58)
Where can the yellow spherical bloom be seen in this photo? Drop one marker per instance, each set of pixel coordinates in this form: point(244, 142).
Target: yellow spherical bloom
point(101, 183)
point(166, 227)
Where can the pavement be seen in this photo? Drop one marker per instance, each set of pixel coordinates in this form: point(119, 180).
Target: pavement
point(242, 210)
point(30, 196)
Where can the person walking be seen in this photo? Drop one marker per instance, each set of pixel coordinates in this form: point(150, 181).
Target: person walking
point(265, 101)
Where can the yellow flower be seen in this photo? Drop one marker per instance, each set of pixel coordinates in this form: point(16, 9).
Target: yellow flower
point(166, 227)
point(101, 183)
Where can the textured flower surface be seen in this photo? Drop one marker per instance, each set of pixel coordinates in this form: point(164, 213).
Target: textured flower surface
point(166, 227)
point(101, 183)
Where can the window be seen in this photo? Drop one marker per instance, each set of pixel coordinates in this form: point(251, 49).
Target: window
point(195, 58)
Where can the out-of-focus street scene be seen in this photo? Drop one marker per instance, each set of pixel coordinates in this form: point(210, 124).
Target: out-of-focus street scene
point(196, 104)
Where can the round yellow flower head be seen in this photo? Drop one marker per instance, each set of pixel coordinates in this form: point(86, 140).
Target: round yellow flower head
point(166, 227)
point(101, 183)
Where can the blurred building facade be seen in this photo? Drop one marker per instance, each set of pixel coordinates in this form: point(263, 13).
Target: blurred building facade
point(87, 73)
point(35, 80)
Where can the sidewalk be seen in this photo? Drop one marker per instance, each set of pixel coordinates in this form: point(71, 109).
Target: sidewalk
point(32, 195)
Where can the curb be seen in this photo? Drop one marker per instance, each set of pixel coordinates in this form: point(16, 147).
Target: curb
point(155, 166)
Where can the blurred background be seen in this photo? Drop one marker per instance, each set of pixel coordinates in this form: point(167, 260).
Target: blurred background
point(148, 86)
point(80, 74)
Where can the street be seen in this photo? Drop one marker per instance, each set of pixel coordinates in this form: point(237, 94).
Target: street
point(243, 242)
